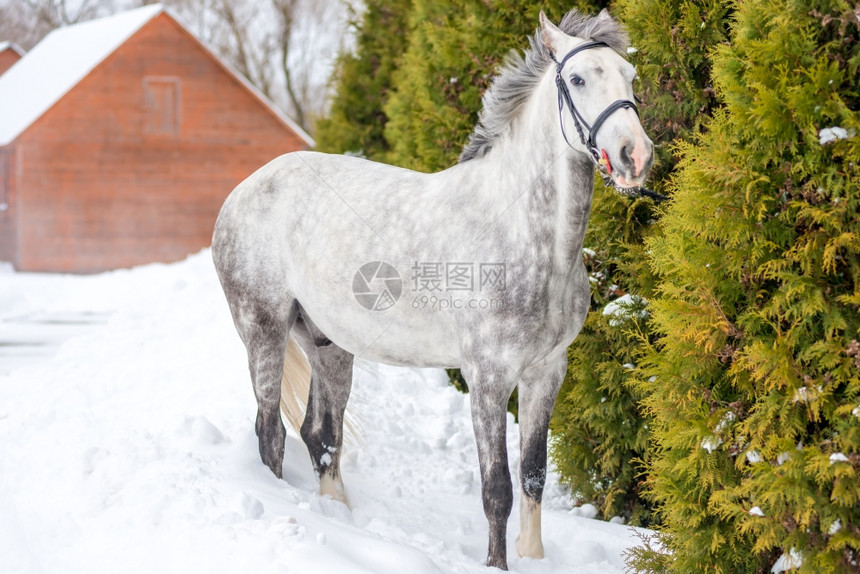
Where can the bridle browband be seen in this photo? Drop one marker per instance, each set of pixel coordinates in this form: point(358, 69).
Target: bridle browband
point(579, 122)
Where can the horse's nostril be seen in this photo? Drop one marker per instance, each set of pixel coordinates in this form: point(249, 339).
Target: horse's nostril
point(626, 159)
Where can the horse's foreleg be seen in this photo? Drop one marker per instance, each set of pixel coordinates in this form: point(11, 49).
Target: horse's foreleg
point(488, 395)
point(537, 392)
point(322, 429)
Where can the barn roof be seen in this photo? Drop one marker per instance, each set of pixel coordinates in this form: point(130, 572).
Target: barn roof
point(65, 56)
point(11, 46)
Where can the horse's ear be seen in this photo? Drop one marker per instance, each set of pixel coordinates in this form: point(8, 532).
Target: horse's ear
point(550, 34)
point(604, 15)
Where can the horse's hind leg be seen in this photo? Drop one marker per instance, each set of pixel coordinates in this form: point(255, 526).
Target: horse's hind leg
point(263, 328)
point(322, 430)
point(537, 392)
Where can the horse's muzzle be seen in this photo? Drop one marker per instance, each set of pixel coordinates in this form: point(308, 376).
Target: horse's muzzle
point(635, 160)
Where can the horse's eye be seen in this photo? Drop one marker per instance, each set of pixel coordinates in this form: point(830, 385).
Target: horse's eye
point(577, 81)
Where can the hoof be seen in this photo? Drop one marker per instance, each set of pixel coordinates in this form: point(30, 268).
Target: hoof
point(529, 544)
point(277, 468)
point(529, 548)
point(271, 439)
point(333, 487)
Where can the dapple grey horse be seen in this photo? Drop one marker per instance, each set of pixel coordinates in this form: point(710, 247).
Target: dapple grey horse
point(325, 258)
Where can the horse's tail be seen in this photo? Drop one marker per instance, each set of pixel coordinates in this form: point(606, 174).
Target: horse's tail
point(296, 387)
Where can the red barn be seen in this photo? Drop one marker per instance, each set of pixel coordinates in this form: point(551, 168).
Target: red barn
point(9, 54)
point(119, 140)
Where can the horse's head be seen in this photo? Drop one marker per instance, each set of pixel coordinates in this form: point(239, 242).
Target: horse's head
point(596, 84)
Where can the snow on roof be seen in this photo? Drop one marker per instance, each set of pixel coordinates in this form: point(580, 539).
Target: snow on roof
point(11, 46)
point(57, 63)
point(65, 56)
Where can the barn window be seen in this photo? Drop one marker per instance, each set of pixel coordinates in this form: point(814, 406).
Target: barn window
point(162, 103)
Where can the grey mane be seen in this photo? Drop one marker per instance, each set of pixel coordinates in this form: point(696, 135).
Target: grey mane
point(520, 74)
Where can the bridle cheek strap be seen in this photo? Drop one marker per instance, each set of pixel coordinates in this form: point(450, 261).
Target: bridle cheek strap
point(578, 120)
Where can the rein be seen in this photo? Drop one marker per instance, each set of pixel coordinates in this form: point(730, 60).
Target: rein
point(600, 159)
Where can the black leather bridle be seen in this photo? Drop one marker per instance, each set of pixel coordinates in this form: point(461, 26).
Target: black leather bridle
point(582, 126)
point(578, 120)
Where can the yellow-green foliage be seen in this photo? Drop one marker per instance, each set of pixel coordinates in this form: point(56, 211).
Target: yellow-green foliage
point(599, 432)
point(756, 382)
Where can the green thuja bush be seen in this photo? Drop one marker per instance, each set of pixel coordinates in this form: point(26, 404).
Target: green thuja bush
point(753, 388)
point(362, 82)
point(600, 436)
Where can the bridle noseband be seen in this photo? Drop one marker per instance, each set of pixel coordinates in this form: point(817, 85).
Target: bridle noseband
point(599, 157)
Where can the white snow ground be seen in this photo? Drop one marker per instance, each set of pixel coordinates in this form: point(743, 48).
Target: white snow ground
point(132, 449)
